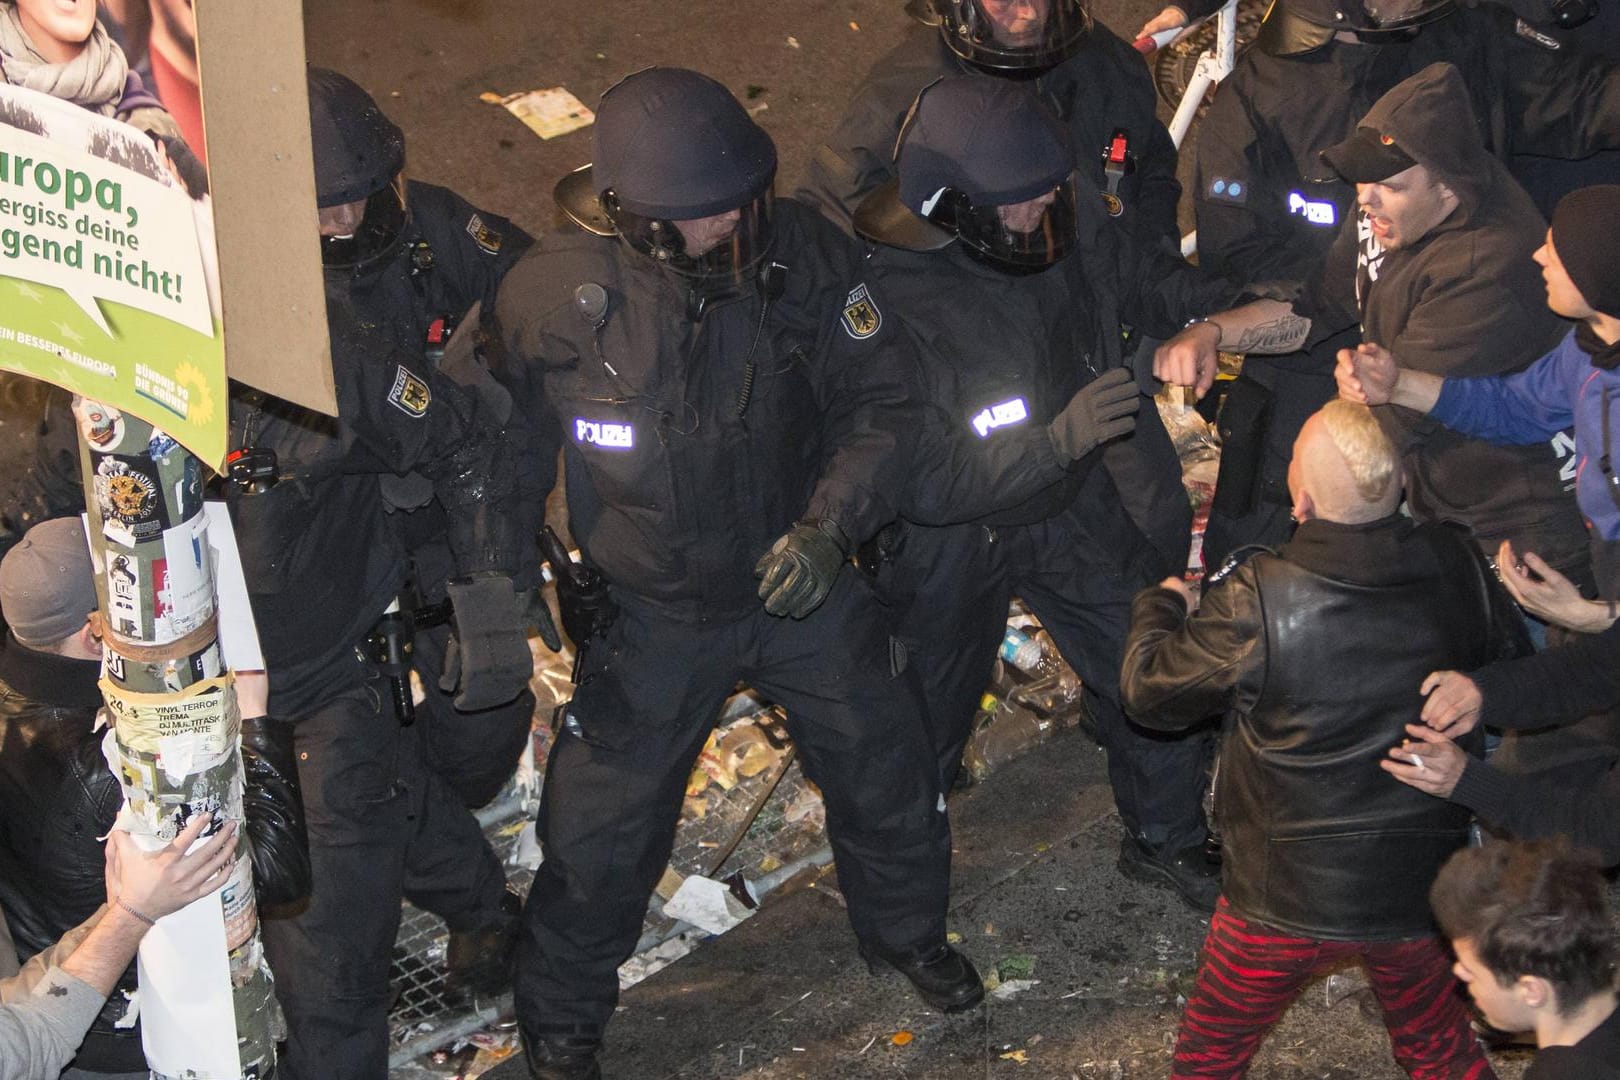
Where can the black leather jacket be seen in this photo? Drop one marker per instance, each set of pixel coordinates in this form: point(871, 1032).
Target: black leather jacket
point(1315, 656)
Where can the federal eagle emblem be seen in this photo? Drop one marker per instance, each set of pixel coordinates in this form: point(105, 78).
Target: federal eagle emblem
point(409, 394)
point(861, 315)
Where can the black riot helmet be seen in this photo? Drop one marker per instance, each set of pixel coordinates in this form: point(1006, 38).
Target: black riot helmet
point(1019, 38)
point(670, 149)
point(359, 155)
point(1296, 27)
point(982, 162)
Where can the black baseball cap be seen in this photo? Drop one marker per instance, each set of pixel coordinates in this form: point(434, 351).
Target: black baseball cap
point(1368, 157)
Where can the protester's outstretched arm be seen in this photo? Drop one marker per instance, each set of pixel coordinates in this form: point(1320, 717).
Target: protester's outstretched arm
point(49, 1006)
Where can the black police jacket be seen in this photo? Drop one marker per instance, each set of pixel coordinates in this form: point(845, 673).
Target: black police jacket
point(694, 439)
point(1314, 656)
point(1268, 208)
point(999, 356)
point(1104, 86)
point(321, 559)
point(57, 800)
point(450, 256)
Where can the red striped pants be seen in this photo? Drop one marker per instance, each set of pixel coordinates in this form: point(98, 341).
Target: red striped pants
point(1250, 973)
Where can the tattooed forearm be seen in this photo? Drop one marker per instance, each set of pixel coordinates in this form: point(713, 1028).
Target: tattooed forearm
point(1280, 335)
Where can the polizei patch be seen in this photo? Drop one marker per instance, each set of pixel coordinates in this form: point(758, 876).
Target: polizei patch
point(861, 316)
point(484, 236)
point(410, 395)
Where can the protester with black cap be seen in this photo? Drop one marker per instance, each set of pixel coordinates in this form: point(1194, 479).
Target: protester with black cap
point(1571, 385)
point(309, 497)
point(1435, 268)
point(998, 263)
point(1268, 208)
point(724, 387)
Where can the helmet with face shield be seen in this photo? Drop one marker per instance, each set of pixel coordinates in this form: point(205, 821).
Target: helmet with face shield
point(359, 185)
point(983, 163)
point(682, 174)
point(1017, 38)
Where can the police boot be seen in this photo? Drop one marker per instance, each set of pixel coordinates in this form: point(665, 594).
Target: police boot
point(1192, 872)
point(944, 978)
point(562, 1057)
point(481, 960)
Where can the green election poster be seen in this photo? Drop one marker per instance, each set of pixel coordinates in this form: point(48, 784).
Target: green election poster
point(108, 272)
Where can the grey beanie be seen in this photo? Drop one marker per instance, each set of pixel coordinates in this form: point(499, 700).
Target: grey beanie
point(47, 586)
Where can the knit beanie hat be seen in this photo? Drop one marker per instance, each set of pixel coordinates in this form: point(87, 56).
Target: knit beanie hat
point(1584, 235)
point(47, 587)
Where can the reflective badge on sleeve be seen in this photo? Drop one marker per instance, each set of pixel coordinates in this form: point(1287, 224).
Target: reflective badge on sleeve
point(861, 316)
point(603, 434)
point(999, 416)
point(410, 395)
point(1317, 213)
point(484, 236)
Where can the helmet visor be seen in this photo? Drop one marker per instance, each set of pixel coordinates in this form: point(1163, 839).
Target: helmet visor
point(721, 250)
point(369, 238)
point(1013, 36)
point(1023, 237)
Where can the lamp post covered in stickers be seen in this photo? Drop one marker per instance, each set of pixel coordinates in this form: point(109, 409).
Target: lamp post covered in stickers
point(173, 744)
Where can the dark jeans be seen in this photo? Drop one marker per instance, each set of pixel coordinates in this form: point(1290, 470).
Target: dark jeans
point(381, 825)
point(644, 708)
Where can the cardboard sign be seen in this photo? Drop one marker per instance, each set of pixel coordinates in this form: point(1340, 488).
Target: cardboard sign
point(256, 112)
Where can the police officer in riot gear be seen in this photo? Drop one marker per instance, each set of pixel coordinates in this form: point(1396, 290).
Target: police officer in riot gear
point(1268, 208)
point(416, 258)
point(323, 560)
point(1100, 89)
point(1096, 83)
point(723, 386)
point(999, 263)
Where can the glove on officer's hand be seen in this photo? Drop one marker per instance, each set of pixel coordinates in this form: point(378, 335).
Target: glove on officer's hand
point(1104, 408)
point(536, 612)
point(488, 658)
point(799, 570)
point(274, 810)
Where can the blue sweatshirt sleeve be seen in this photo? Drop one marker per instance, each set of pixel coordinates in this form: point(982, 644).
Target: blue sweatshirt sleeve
point(1527, 407)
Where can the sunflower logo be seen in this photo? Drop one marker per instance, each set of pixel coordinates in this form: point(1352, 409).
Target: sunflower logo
point(190, 378)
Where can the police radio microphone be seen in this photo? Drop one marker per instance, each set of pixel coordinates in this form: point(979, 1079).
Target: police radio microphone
point(591, 301)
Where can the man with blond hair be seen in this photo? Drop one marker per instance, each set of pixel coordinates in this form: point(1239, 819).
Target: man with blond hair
point(1310, 654)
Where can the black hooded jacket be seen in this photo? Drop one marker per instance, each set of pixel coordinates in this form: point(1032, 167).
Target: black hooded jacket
point(1464, 299)
point(1274, 114)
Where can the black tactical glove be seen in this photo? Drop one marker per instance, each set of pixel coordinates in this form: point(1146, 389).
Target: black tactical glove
point(1103, 409)
point(799, 570)
point(274, 810)
point(488, 661)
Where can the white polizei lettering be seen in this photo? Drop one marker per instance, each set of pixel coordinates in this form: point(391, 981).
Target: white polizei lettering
point(606, 435)
point(1000, 415)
